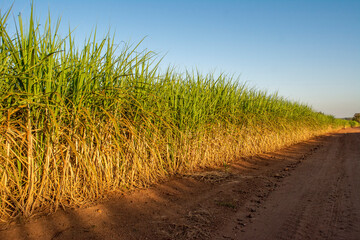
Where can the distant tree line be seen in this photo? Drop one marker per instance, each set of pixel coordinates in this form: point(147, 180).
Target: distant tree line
point(356, 117)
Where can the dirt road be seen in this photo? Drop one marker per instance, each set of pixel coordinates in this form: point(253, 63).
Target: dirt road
point(307, 191)
point(321, 200)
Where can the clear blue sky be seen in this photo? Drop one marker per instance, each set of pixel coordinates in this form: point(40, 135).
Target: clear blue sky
point(308, 51)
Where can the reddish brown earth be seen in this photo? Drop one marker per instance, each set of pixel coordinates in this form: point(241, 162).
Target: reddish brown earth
point(307, 191)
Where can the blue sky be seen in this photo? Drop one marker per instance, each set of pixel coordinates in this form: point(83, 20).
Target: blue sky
point(308, 51)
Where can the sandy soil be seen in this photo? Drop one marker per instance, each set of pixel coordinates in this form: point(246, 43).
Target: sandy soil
point(307, 191)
